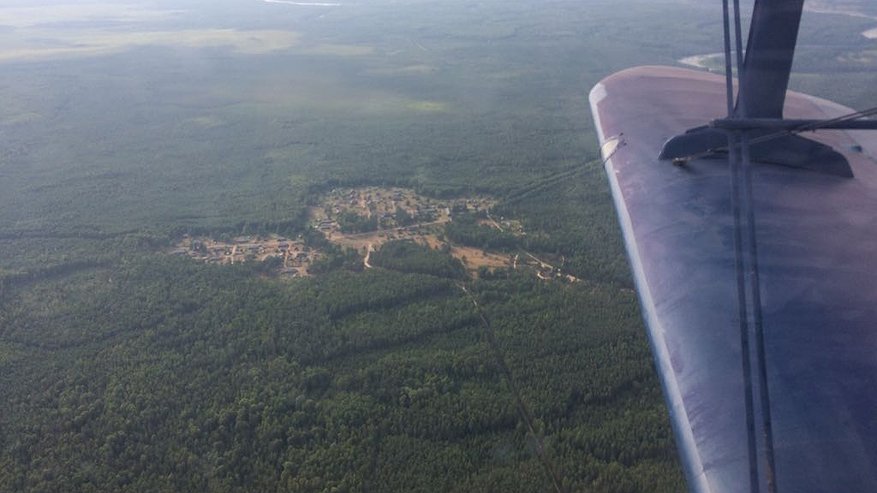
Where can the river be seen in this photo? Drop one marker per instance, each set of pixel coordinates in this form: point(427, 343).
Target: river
point(699, 61)
point(304, 4)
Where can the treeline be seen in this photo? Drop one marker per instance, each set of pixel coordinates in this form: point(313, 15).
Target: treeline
point(408, 256)
point(570, 217)
point(351, 222)
point(465, 229)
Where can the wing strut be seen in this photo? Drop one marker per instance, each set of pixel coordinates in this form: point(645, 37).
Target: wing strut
point(734, 149)
point(746, 249)
point(763, 79)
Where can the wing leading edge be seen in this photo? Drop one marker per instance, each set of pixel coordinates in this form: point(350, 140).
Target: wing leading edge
point(817, 261)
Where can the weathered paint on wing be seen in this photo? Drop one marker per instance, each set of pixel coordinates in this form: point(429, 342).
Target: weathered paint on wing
point(817, 238)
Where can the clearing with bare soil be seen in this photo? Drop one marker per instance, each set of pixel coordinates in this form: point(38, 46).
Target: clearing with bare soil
point(364, 219)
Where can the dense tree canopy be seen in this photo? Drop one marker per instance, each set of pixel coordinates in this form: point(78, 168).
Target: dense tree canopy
point(158, 373)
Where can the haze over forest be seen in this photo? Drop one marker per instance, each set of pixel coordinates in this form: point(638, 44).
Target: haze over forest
point(352, 245)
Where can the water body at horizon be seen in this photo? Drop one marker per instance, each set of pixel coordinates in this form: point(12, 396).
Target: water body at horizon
point(699, 61)
point(304, 4)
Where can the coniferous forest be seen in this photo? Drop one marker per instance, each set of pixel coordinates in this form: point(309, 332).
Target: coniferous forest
point(128, 128)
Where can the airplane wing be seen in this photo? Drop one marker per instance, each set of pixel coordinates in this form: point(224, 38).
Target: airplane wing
point(788, 403)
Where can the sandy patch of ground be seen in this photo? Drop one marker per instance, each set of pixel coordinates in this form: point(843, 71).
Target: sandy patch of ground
point(474, 258)
point(399, 214)
point(304, 4)
point(700, 61)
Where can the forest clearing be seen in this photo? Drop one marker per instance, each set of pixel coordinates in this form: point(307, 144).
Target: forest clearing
point(364, 219)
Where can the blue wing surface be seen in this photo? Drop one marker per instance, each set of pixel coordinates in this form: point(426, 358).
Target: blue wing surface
point(817, 240)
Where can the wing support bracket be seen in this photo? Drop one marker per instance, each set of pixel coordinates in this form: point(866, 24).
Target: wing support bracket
point(763, 81)
point(788, 150)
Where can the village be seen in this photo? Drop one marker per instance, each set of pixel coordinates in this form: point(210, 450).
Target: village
point(388, 209)
point(365, 218)
point(295, 256)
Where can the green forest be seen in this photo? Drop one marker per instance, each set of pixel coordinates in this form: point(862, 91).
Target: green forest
point(170, 375)
point(124, 369)
point(407, 256)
